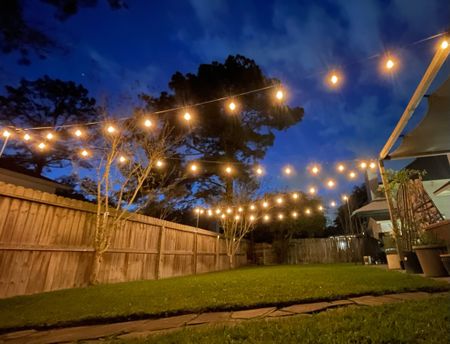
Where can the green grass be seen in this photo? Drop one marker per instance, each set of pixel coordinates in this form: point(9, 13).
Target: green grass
point(425, 321)
point(242, 288)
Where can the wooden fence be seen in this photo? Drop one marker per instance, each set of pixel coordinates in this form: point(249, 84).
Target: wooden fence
point(46, 243)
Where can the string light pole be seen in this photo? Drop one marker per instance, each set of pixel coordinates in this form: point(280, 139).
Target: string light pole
point(346, 199)
point(6, 135)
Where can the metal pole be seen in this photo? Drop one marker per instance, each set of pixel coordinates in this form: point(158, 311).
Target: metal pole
point(4, 146)
point(198, 218)
point(349, 215)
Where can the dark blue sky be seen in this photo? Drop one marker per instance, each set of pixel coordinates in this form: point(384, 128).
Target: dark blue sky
point(118, 53)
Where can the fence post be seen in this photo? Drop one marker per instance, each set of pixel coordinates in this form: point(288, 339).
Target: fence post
point(217, 252)
point(159, 255)
point(195, 250)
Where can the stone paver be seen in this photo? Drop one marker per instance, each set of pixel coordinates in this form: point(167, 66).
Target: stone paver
point(279, 313)
point(409, 296)
point(252, 313)
point(307, 307)
point(211, 317)
point(373, 300)
point(339, 303)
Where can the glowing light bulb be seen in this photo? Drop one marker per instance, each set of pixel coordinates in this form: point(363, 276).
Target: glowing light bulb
point(84, 153)
point(308, 211)
point(223, 216)
point(252, 218)
point(341, 168)
point(78, 133)
point(312, 190)
point(315, 170)
point(444, 44)
point(197, 210)
point(279, 200)
point(27, 137)
point(240, 209)
point(187, 116)
point(352, 175)
point(344, 198)
point(252, 207)
point(229, 210)
point(232, 106)
point(148, 123)
point(49, 136)
point(363, 165)
point(259, 171)
point(294, 214)
point(237, 217)
point(295, 195)
point(265, 204)
point(320, 208)
point(334, 79)
point(279, 95)
point(210, 213)
point(218, 211)
point(110, 129)
point(332, 204)
point(6, 133)
point(266, 218)
point(287, 170)
point(122, 159)
point(159, 163)
point(372, 165)
point(280, 216)
point(194, 167)
point(41, 146)
point(228, 170)
point(331, 183)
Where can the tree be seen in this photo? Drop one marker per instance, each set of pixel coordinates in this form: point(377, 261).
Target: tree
point(356, 199)
point(239, 138)
point(45, 103)
point(126, 158)
point(17, 35)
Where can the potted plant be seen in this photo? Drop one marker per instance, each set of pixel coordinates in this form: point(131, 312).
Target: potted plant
point(428, 252)
point(392, 256)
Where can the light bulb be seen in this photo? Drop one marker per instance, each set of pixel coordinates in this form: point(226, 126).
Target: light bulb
point(331, 183)
point(194, 167)
point(280, 216)
point(320, 208)
point(287, 171)
point(252, 218)
point(312, 190)
point(187, 116)
point(444, 44)
point(279, 200)
point(372, 165)
point(344, 198)
point(308, 211)
point(240, 209)
point(294, 214)
point(6, 133)
point(197, 210)
point(252, 207)
point(295, 195)
point(148, 123)
point(334, 79)
point(279, 95)
point(232, 106)
point(122, 159)
point(78, 133)
point(341, 168)
point(315, 170)
point(265, 204)
point(228, 170)
point(333, 204)
point(110, 129)
point(218, 211)
point(84, 153)
point(266, 218)
point(363, 165)
point(159, 163)
point(229, 210)
point(27, 137)
point(352, 175)
point(41, 146)
point(259, 171)
point(49, 136)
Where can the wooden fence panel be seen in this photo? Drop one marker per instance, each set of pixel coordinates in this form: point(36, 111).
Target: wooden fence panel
point(46, 243)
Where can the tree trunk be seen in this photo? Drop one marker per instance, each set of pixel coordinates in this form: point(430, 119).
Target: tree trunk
point(231, 258)
point(98, 258)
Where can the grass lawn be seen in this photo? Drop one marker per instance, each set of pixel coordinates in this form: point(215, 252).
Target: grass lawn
point(425, 321)
point(242, 288)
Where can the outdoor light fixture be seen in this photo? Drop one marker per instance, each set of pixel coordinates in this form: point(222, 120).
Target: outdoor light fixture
point(232, 106)
point(27, 137)
point(159, 163)
point(78, 133)
point(279, 95)
point(148, 123)
point(312, 190)
point(352, 175)
point(110, 129)
point(49, 136)
point(84, 153)
point(341, 168)
point(228, 170)
point(345, 198)
point(6, 133)
point(122, 159)
point(331, 183)
point(197, 210)
point(389, 64)
point(332, 204)
point(444, 44)
point(315, 170)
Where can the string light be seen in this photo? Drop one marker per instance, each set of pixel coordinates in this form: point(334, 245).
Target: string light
point(197, 210)
point(252, 207)
point(341, 168)
point(332, 204)
point(148, 123)
point(229, 210)
point(287, 170)
point(122, 159)
point(259, 171)
point(84, 153)
point(78, 133)
point(27, 137)
point(390, 64)
point(159, 163)
point(444, 44)
point(218, 211)
point(223, 216)
point(308, 211)
point(240, 209)
point(315, 170)
point(320, 208)
point(333, 79)
point(49, 136)
point(294, 214)
point(279, 200)
point(41, 146)
point(266, 218)
point(279, 95)
point(228, 170)
point(252, 218)
point(210, 213)
point(363, 165)
point(193, 167)
point(6, 133)
point(345, 198)
point(295, 195)
point(111, 129)
point(237, 217)
point(187, 116)
point(312, 190)
point(352, 175)
point(280, 216)
point(232, 106)
point(331, 183)
point(265, 204)
point(372, 165)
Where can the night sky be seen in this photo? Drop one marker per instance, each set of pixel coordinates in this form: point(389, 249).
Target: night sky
point(122, 52)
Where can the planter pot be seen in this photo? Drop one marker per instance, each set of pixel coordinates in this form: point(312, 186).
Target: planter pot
point(411, 263)
point(393, 261)
point(445, 258)
point(430, 261)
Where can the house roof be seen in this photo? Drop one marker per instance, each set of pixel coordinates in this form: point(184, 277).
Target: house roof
point(431, 135)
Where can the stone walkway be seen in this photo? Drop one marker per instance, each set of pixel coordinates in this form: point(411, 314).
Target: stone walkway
point(144, 328)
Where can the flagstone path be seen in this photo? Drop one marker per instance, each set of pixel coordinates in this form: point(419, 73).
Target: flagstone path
point(144, 328)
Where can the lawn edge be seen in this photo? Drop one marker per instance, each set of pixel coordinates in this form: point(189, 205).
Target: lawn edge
point(149, 316)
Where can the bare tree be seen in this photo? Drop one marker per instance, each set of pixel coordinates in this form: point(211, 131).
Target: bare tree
point(129, 157)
